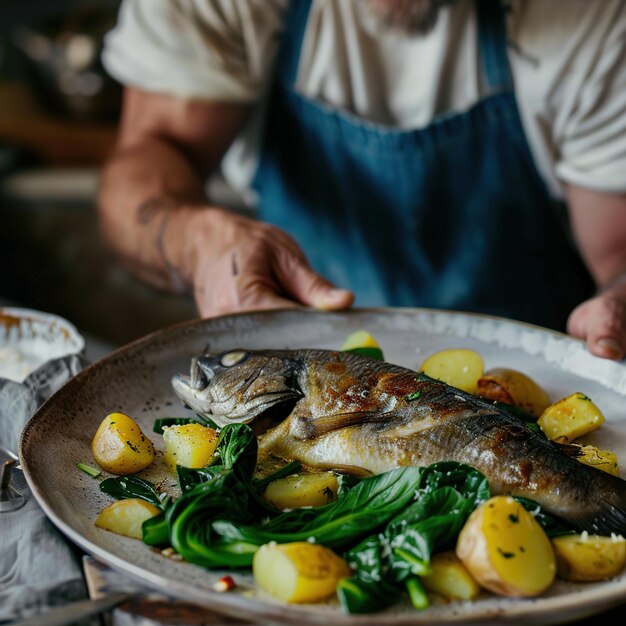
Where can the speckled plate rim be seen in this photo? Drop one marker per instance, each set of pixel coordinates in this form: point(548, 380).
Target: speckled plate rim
point(544, 610)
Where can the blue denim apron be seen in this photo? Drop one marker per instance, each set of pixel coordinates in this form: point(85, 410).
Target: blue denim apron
point(451, 216)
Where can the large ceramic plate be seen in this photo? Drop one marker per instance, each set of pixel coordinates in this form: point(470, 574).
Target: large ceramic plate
point(136, 379)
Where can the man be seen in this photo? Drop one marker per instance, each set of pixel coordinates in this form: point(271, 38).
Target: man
point(418, 152)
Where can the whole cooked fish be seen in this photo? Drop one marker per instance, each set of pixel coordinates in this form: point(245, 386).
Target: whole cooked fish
point(341, 410)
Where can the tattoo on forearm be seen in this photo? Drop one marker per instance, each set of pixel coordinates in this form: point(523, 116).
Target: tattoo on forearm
point(147, 212)
point(153, 207)
point(233, 264)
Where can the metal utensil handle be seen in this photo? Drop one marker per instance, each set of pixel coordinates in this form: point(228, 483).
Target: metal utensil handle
point(10, 499)
point(74, 611)
point(5, 476)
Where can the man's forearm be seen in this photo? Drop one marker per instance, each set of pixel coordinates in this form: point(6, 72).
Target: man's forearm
point(155, 214)
point(147, 199)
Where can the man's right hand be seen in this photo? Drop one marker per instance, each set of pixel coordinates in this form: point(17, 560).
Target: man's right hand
point(153, 210)
point(241, 264)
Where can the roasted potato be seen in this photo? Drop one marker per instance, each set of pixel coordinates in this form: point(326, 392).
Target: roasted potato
point(505, 549)
point(189, 445)
point(512, 387)
point(570, 418)
point(120, 447)
point(298, 572)
point(460, 368)
point(301, 490)
point(449, 578)
point(589, 557)
point(125, 517)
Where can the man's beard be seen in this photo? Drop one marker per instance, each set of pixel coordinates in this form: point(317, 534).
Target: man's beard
point(409, 17)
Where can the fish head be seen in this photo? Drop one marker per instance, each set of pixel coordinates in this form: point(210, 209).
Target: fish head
point(237, 386)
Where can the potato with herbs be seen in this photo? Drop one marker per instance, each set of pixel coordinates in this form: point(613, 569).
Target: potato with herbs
point(505, 549)
point(589, 558)
point(189, 445)
point(512, 387)
point(120, 447)
point(570, 418)
point(126, 517)
point(300, 490)
point(299, 572)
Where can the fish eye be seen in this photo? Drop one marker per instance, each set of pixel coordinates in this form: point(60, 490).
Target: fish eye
point(233, 358)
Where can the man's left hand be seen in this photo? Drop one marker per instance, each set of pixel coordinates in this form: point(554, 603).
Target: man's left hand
point(598, 221)
point(601, 322)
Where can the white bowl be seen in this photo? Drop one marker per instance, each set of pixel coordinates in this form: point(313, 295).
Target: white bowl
point(28, 339)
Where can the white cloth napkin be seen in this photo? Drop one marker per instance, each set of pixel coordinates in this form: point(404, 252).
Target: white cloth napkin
point(38, 568)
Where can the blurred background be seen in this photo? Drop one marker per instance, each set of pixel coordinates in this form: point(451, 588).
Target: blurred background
point(58, 116)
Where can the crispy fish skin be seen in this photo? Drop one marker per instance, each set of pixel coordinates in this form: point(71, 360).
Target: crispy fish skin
point(350, 411)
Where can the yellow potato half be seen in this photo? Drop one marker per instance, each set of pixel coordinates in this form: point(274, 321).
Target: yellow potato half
point(459, 367)
point(125, 517)
point(512, 387)
point(189, 445)
point(505, 549)
point(120, 447)
point(449, 578)
point(301, 490)
point(589, 557)
point(570, 418)
point(298, 572)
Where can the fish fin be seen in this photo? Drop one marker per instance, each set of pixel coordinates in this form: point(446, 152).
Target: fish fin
point(310, 427)
point(572, 450)
point(350, 470)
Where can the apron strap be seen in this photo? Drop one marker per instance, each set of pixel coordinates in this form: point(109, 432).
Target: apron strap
point(492, 41)
point(291, 42)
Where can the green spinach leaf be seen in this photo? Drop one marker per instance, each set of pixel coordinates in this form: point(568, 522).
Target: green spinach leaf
point(363, 509)
point(131, 487)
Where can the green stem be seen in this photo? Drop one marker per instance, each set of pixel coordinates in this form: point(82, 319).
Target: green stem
point(418, 566)
point(88, 469)
point(417, 593)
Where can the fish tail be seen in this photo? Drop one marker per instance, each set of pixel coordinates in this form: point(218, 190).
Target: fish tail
point(608, 513)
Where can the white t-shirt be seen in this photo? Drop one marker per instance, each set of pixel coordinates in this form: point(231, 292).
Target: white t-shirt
point(568, 61)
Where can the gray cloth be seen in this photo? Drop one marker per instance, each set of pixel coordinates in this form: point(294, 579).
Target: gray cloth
point(38, 568)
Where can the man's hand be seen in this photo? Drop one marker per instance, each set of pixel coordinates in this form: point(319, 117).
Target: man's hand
point(599, 224)
point(155, 213)
point(601, 322)
point(250, 265)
